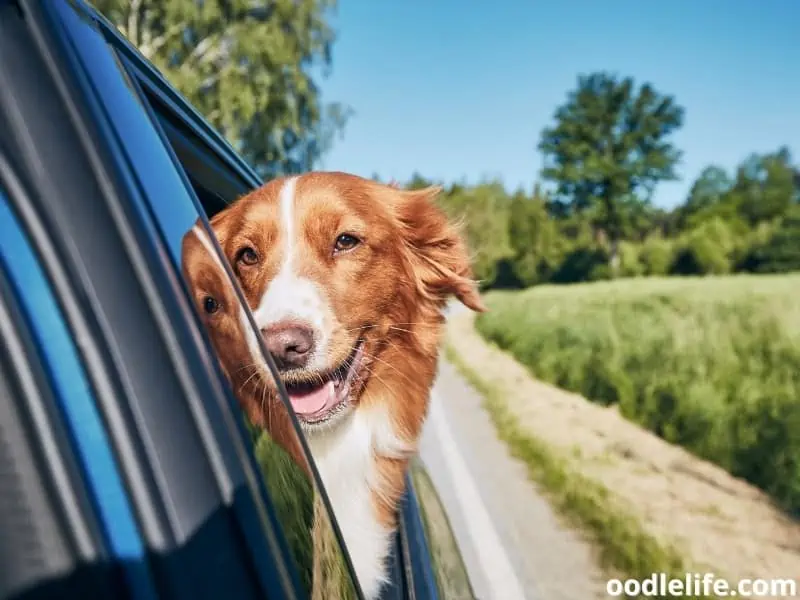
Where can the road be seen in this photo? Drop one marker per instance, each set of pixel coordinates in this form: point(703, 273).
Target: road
point(513, 545)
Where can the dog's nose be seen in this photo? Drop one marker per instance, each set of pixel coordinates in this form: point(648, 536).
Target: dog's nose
point(290, 346)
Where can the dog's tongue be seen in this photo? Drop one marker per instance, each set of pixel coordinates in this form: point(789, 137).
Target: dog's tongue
point(308, 403)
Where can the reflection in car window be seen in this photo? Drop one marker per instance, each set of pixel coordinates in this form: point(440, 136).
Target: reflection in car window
point(278, 449)
point(284, 463)
point(61, 359)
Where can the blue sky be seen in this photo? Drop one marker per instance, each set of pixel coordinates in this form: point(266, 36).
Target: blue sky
point(461, 89)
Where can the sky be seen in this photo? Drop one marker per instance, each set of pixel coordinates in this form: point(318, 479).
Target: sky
point(459, 90)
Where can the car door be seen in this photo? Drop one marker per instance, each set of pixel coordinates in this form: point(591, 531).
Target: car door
point(95, 163)
point(57, 533)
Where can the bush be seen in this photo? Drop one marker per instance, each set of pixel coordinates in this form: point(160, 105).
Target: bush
point(710, 364)
point(656, 255)
point(705, 250)
point(630, 265)
point(583, 263)
point(780, 253)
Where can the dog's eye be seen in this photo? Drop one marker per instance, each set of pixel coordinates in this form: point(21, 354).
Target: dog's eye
point(210, 305)
point(345, 242)
point(247, 256)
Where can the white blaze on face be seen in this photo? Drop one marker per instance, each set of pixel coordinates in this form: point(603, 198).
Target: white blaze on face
point(290, 297)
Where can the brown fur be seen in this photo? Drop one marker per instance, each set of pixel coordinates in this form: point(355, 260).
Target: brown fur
point(206, 279)
point(389, 291)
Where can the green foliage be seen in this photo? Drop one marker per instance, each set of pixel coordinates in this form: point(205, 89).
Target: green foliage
point(710, 364)
point(656, 255)
point(534, 239)
point(705, 250)
point(705, 197)
point(609, 147)
point(246, 65)
point(484, 211)
point(780, 252)
point(584, 262)
point(293, 498)
point(630, 263)
point(765, 186)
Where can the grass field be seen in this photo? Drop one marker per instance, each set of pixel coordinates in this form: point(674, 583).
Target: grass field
point(712, 364)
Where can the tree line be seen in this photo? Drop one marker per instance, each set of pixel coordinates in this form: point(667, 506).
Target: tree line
point(591, 216)
point(252, 67)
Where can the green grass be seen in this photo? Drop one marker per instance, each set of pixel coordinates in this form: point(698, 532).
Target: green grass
point(712, 364)
point(305, 523)
point(624, 545)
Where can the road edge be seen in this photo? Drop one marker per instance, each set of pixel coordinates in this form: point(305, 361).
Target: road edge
point(626, 549)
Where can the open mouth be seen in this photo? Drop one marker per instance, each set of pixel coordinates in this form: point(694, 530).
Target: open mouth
point(316, 399)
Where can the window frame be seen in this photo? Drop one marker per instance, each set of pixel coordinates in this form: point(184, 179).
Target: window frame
point(75, 175)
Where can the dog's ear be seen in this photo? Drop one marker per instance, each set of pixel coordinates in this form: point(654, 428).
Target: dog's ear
point(221, 223)
point(435, 248)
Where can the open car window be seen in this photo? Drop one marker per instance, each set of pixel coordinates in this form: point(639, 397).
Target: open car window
point(170, 199)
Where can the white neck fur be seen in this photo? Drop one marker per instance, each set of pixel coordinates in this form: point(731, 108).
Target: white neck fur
point(345, 457)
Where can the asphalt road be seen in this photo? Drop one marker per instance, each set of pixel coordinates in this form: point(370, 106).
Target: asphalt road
point(513, 545)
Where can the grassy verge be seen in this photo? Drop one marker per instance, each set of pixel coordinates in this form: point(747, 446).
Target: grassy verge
point(709, 364)
point(624, 546)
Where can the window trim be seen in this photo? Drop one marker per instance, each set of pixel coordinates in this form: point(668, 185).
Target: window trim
point(80, 164)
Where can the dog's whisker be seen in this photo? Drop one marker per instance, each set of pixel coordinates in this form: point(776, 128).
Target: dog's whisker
point(377, 377)
point(391, 366)
point(362, 328)
point(247, 366)
point(253, 375)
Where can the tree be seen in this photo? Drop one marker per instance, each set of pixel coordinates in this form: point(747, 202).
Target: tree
point(534, 239)
point(246, 65)
point(765, 186)
point(708, 191)
point(610, 144)
point(418, 182)
point(484, 211)
point(780, 253)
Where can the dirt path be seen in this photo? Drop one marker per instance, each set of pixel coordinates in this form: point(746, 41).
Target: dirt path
point(522, 552)
point(719, 521)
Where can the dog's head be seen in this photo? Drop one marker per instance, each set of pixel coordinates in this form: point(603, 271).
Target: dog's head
point(333, 266)
point(218, 306)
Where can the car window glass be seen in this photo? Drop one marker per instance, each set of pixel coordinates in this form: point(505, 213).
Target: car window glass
point(70, 383)
point(283, 458)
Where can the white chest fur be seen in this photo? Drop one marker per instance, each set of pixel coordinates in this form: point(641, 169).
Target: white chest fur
point(345, 457)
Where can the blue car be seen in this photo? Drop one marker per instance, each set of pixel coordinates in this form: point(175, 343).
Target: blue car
point(126, 467)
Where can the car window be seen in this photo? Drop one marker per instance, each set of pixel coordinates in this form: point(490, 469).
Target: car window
point(284, 459)
point(71, 385)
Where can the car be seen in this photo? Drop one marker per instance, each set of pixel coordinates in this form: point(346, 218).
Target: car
point(126, 466)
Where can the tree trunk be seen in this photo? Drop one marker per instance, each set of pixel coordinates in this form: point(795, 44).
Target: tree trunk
point(614, 257)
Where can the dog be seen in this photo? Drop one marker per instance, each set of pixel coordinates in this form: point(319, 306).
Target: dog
point(285, 469)
point(234, 340)
point(347, 280)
